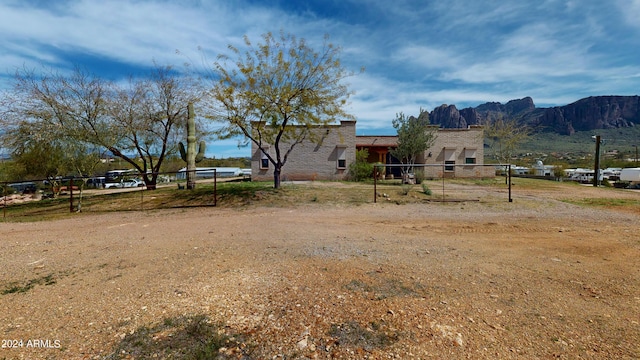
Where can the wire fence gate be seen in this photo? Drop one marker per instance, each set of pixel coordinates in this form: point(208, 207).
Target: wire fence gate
point(95, 192)
point(442, 175)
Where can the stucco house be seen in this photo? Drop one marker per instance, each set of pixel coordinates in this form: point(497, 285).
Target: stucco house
point(458, 152)
point(455, 153)
point(328, 159)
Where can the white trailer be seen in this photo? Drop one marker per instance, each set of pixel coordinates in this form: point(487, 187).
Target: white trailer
point(631, 176)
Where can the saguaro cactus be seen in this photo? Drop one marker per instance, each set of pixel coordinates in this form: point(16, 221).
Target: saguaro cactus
point(189, 155)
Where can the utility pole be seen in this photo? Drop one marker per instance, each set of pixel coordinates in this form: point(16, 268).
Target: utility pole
point(597, 161)
point(636, 158)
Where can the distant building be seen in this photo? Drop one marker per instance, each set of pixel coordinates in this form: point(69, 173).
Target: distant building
point(539, 169)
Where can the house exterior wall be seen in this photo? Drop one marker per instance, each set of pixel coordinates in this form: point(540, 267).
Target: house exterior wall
point(311, 161)
point(457, 145)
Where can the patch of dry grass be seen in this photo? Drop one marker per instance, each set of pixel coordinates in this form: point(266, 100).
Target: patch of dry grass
point(184, 337)
point(242, 194)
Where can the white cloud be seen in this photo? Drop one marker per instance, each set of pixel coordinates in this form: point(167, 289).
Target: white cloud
point(131, 32)
point(428, 58)
point(630, 10)
point(417, 53)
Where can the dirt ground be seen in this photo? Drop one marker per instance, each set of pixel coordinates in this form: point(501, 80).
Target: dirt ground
point(536, 278)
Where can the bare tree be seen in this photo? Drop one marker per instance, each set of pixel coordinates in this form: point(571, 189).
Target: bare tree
point(37, 155)
point(276, 92)
point(43, 131)
point(43, 151)
point(147, 118)
point(138, 123)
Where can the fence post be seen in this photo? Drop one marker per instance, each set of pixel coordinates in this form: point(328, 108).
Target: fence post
point(596, 167)
point(4, 208)
point(71, 195)
point(142, 195)
point(375, 184)
point(509, 177)
point(215, 187)
point(443, 170)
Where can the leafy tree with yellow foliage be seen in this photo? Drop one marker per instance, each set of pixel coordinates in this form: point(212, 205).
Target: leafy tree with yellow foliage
point(276, 92)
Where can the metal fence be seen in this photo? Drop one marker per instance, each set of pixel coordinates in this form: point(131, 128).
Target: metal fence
point(96, 193)
point(441, 181)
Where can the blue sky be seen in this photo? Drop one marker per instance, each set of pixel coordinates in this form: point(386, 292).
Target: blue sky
point(417, 54)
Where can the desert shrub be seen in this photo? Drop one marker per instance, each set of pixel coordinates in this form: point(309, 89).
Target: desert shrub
point(6, 190)
point(558, 171)
point(373, 336)
point(360, 169)
point(425, 189)
point(190, 337)
point(419, 176)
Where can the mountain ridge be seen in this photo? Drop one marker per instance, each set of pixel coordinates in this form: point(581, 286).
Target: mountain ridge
point(590, 113)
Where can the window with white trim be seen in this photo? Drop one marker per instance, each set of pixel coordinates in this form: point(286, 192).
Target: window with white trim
point(342, 157)
point(469, 156)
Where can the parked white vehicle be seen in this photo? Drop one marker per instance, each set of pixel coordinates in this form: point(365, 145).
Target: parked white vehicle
point(115, 185)
point(129, 183)
point(132, 183)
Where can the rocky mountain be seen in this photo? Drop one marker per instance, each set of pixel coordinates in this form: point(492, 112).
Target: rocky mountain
point(595, 112)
